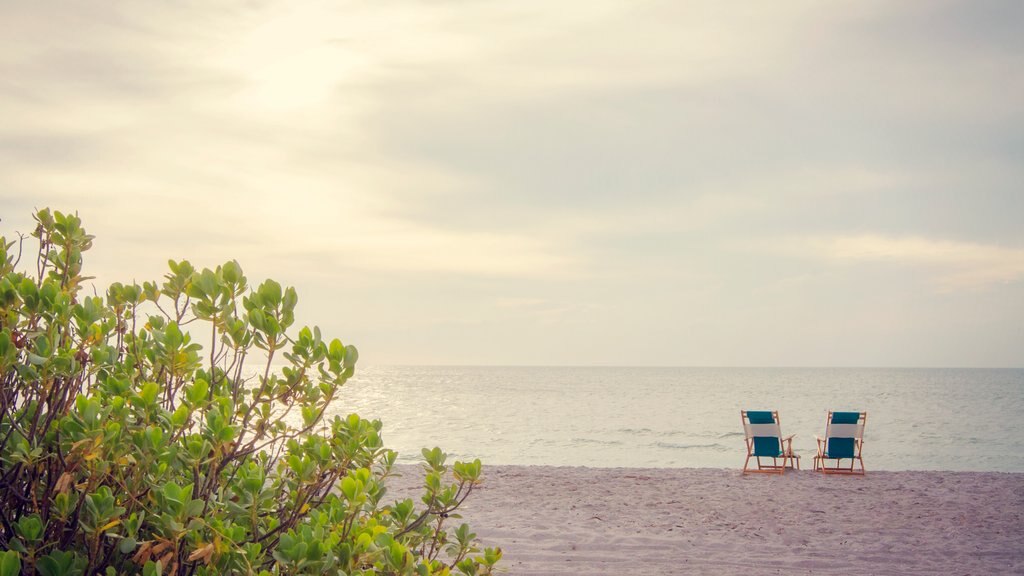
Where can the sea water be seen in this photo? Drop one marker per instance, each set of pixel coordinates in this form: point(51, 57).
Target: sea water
point(918, 419)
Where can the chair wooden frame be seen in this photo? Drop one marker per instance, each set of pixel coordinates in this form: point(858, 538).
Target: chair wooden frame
point(786, 455)
point(858, 444)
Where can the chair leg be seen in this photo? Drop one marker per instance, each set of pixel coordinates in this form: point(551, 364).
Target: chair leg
point(821, 466)
point(778, 465)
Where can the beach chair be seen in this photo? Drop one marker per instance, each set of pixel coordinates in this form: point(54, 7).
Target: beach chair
point(764, 440)
point(844, 438)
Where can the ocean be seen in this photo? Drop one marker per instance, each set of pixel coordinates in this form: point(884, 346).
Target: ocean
point(918, 419)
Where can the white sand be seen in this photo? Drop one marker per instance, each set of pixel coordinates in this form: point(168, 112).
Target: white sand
point(594, 521)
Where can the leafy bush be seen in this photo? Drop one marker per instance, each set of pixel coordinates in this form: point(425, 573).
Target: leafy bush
point(127, 448)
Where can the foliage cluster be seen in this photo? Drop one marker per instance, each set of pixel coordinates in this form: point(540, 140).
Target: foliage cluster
point(125, 448)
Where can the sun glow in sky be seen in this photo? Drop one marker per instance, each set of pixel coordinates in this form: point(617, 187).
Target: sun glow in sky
point(587, 183)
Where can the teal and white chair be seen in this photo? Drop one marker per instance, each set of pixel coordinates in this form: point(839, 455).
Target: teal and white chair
point(844, 440)
point(764, 439)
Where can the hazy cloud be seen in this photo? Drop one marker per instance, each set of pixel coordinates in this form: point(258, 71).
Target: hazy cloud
point(956, 264)
point(697, 182)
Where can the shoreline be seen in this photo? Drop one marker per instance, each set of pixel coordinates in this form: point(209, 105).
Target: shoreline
point(552, 520)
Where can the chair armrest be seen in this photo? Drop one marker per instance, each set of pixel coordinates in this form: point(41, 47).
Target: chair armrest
point(787, 445)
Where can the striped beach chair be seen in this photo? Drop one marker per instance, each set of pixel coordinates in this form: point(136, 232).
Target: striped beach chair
point(844, 438)
point(764, 440)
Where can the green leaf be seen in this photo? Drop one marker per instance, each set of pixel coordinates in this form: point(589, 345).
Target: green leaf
point(467, 471)
point(258, 320)
point(309, 415)
point(350, 488)
point(10, 564)
point(42, 346)
point(180, 417)
point(491, 556)
point(270, 292)
point(173, 336)
point(232, 273)
point(48, 566)
point(336, 351)
point(127, 545)
point(30, 528)
point(204, 284)
point(149, 392)
point(197, 393)
point(60, 563)
point(434, 457)
point(291, 298)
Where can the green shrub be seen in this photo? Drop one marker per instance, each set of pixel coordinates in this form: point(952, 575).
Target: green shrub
point(127, 448)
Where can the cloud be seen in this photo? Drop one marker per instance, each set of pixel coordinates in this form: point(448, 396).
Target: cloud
point(398, 246)
point(569, 159)
point(954, 265)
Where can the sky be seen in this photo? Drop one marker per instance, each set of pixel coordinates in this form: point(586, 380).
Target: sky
point(663, 183)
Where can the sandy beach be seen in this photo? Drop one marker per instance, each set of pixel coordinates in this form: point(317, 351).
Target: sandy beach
point(596, 521)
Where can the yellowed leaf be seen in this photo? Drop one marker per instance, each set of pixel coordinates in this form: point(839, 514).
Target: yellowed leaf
point(109, 525)
point(166, 560)
point(78, 444)
point(204, 553)
point(64, 482)
point(163, 545)
point(143, 554)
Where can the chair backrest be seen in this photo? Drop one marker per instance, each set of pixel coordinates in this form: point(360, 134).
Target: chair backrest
point(762, 427)
point(843, 431)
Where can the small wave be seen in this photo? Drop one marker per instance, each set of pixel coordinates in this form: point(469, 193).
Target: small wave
point(729, 435)
point(596, 441)
point(634, 431)
point(679, 446)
